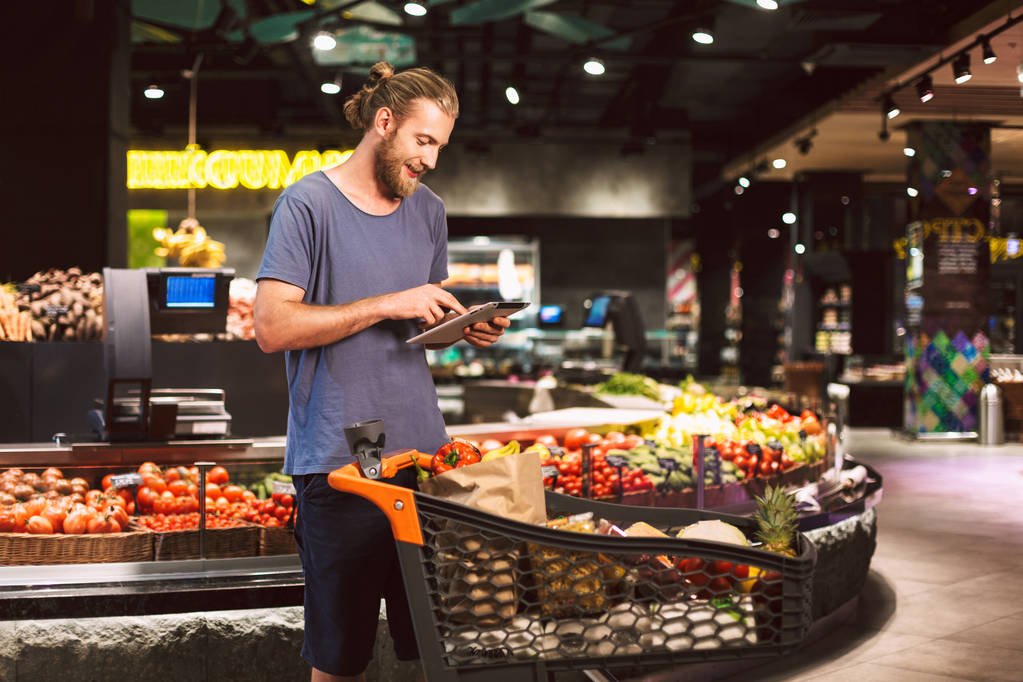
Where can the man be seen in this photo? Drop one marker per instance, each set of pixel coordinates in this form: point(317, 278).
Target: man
point(352, 268)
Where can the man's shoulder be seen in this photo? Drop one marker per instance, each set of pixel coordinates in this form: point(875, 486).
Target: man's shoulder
point(426, 197)
point(309, 189)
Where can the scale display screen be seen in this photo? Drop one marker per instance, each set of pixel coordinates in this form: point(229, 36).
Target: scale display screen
point(597, 314)
point(190, 292)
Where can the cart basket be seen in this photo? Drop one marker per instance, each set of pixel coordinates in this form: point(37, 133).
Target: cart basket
point(501, 600)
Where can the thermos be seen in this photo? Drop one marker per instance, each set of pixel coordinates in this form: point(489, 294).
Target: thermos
point(992, 426)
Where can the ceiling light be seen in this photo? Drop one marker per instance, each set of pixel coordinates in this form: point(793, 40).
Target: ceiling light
point(779, 163)
point(153, 92)
point(961, 68)
point(744, 181)
point(912, 192)
point(739, 190)
point(925, 88)
point(1019, 72)
point(767, 4)
point(415, 9)
point(800, 249)
point(330, 88)
point(989, 55)
point(788, 217)
point(891, 109)
point(773, 233)
point(909, 151)
point(703, 36)
point(511, 94)
point(324, 41)
point(594, 67)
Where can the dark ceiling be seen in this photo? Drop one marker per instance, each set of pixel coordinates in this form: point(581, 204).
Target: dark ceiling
point(764, 70)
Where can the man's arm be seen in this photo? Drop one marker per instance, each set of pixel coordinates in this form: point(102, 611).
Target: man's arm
point(284, 322)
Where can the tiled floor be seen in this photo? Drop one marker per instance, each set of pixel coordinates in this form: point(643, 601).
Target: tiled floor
point(944, 599)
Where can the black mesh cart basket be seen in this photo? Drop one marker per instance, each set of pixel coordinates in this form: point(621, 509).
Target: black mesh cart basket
point(499, 600)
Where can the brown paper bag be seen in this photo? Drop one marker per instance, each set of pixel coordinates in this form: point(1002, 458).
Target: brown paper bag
point(510, 487)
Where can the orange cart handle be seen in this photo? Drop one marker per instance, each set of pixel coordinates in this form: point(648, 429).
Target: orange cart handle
point(397, 503)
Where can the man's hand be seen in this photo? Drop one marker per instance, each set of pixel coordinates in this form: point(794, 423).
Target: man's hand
point(484, 334)
point(428, 303)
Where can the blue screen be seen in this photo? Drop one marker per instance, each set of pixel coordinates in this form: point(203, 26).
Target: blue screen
point(190, 292)
point(597, 316)
point(551, 314)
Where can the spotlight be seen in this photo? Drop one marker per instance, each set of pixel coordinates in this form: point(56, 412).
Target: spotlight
point(779, 163)
point(153, 92)
point(324, 41)
point(909, 151)
point(925, 88)
point(989, 55)
point(594, 67)
point(890, 108)
point(703, 36)
point(739, 190)
point(767, 4)
point(744, 181)
point(773, 233)
point(912, 192)
point(799, 248)
point(788, 217)
point(961, 68)
point(511, 94)
point(330, 88)
point(415, 9)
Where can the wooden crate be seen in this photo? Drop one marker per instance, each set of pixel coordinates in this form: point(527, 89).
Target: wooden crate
point(20, 549)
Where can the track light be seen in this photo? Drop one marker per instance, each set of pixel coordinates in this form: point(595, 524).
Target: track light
point(594, 67)
point(961, 68)
point(153, 92)
point(324, 41)
point(788, 217)
point(511, 94)
point(744, 181)
point(890, 108)
point(912, 192)
point(767, 4)
point(330, 88)
point(779, 163)
point(415, 9)
point(909, 151)
point(703, 36)
point(989, 55)
point(925, 88)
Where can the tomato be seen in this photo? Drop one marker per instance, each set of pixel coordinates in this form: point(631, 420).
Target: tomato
point(76, 522)
point(287, 501)
point(55, 515)
point(272, 523)
point(633, 441)
point(102, 524)
point(6, 520)
point(35, 506)
point(768, 468)
point(490, 444)
point(117, 514)
point(106, 482)
point(150, 468)
point(692, 567)
point(614, 438)
point(218, 475)
point(454, 455)
point(574, 438)
point(145, 496)
point(155, 482)
point(177, 487)
point(39, 525)
point(213, 490)
point(233, 493)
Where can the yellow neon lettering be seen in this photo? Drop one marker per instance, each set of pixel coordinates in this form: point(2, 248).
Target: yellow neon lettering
point(225, 169)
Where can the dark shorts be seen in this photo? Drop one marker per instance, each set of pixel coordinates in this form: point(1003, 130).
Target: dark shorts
point(350, 563)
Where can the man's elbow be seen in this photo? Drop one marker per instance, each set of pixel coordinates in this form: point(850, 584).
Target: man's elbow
point(267, 338)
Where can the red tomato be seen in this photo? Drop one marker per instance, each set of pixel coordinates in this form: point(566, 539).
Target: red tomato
point(106, 481)
point(233, 493)
point(150, 468)
point(213, 490)
point(218, 475)
point(39, 525)
point(177, 487)
point(574, 438)
point(633, 441)
point(614, 438)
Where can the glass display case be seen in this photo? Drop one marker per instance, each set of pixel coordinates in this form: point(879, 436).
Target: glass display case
point(482, 269)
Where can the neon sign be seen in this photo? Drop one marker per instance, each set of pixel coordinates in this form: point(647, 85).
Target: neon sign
point(195, 168)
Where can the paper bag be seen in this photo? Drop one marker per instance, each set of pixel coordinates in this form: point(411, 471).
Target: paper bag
point(510, 487)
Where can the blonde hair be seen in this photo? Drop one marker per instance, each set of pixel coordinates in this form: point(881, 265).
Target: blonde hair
point(397, 92)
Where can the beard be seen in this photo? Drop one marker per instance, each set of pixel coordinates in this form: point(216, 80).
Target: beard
point(390, 170)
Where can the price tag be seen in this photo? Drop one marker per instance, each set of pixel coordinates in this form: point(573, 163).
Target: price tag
point(25, 288)
point(125, 480)
point(556, 451)
point(55, 310)
point(667, 463)
point(550, 471)
point(617, 460)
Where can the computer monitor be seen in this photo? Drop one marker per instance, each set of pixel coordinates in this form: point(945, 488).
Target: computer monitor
point(188, 300)
point(552, 315)
point(597, 309)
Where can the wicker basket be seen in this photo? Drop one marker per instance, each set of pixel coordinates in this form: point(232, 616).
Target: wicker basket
point(278, 540)
point(19, 549)
point(221, 543)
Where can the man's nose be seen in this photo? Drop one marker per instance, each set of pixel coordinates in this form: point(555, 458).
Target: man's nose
point(430, 159)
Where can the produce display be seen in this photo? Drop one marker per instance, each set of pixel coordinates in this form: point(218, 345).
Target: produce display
point(48, 503)
point(59, 305)
point(626, 383)
point(241, 321)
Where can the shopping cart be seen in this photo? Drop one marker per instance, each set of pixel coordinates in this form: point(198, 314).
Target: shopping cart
point(498, 600)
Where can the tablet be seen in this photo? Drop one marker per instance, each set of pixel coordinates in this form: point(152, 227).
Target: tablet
point(450, 331)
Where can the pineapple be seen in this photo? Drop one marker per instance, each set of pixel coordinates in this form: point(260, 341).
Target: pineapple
point(776, 520)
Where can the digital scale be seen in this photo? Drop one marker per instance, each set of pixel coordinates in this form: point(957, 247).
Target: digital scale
point(137, 304)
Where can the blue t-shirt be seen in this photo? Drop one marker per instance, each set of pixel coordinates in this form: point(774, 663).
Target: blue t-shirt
point(337, 253)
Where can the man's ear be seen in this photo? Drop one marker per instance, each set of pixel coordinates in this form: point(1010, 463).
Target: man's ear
point(383, 121)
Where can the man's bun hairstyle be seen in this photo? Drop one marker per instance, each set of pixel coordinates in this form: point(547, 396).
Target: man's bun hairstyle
point(397, 92)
